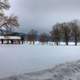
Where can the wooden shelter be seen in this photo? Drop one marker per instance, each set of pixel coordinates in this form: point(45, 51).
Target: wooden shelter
point(10, 39)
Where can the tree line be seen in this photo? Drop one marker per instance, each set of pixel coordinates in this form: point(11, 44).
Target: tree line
point(66, 32)
point(61, 32)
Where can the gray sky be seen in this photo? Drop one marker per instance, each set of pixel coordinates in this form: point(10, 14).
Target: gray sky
point(43, 14)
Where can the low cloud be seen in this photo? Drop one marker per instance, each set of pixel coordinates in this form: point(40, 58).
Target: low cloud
point(44, 13)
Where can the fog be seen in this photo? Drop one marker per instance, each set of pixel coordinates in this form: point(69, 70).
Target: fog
point(43, 14)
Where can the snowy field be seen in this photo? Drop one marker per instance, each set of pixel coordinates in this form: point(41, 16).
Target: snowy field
point(67, 71)
point(19, 59)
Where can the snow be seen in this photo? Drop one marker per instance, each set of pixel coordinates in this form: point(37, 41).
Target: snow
point(67, 71)
point(10, 37)
point(19, 59)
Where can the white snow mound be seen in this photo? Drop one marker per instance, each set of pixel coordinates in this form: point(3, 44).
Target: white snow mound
point(67, 71)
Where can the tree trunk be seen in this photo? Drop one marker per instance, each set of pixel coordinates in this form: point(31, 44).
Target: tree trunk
point(67, 43)
point(75, 40)
point(2, 41)
point(7, 41)
point(66, 38)
point(57, 43)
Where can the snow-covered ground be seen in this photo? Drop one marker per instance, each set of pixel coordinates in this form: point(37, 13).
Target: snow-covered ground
point(19, 59)
point(67, 71)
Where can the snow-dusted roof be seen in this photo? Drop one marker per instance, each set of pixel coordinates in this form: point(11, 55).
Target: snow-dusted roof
point(10, 37)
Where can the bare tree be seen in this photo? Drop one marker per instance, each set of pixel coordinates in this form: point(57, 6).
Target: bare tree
point(55, 34)
point(10, 22)
point(75, 31)
point(7, 22)
point(4, 4)
point(31, 36)
point(43, 38)
point(66, 32)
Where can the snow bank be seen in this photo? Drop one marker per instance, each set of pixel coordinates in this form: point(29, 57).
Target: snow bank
point(67, 71)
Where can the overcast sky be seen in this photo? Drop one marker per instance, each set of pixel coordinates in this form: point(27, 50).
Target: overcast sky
point(43, 14)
